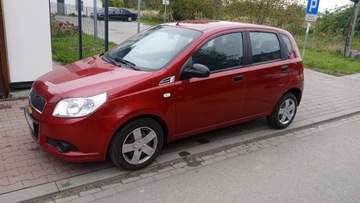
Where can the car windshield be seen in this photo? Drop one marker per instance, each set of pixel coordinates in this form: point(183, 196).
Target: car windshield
point(153, 49)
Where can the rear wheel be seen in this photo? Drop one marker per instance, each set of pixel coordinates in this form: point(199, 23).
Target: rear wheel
point(284, 112)
point(137, 144)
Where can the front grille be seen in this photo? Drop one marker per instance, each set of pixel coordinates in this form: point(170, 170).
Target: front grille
point(37, 101)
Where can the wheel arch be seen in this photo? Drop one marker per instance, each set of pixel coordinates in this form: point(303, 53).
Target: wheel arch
point(297, 93)
point(158, 119)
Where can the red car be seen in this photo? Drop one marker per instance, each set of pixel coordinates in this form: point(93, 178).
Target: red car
point(169, 82)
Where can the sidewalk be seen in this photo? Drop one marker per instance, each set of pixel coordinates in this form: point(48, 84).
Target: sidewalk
point(27, 172)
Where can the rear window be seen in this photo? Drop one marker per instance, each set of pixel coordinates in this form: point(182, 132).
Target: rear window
point(265, 46)
point(287, 42)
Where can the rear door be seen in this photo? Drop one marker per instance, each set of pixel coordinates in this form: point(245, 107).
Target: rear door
point(218, 99)
point(269, 72)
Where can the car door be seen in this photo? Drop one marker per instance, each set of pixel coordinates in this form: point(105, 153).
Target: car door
point(115, 14)
point(203, 103)
point(122, 14)
point(269, 74)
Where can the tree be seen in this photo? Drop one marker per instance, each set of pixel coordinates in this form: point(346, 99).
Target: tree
point(336, 22)
point(187, 9)
point(116, 3)
point(280, 13)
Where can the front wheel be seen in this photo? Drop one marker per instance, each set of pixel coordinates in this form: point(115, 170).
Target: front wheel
point(284, 112)
point(129, 19)
point(137, 144)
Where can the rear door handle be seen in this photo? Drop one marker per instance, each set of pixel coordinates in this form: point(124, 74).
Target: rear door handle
point(284, 68)
point(238, 78)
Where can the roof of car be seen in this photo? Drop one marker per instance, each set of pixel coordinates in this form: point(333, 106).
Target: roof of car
point(203, 25)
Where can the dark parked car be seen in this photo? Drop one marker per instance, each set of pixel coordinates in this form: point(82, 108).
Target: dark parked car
point(117, 14)
point(169, 82)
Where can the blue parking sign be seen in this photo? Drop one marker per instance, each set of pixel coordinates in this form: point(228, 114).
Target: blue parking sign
point(312, 7)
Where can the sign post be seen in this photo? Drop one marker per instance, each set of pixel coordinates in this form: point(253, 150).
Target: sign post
point(165, 2)
point(351, 30)
point(311, 16)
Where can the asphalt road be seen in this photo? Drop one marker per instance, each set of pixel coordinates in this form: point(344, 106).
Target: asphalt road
point(119, 31)
point(321, 166)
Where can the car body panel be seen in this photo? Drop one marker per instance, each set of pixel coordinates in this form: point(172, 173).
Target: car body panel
point(183, 106)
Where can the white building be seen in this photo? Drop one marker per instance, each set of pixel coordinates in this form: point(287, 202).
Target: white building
point(25, 43)
point(68, 7)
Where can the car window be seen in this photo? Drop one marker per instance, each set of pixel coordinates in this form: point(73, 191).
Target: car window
point(153, 49)
point(265, 46)
point(222, 52)
point(112, 11)
point(287, 42)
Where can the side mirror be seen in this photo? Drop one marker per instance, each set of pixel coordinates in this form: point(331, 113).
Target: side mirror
point(198, 71)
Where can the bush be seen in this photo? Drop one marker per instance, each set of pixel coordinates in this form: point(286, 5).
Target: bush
point(61, 29)
point(152, 17)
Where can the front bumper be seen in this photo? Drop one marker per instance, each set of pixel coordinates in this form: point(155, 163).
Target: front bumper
point(85, 139)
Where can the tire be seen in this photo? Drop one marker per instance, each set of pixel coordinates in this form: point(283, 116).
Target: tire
point(129, 19)
point(284, 112)
point(137, 144)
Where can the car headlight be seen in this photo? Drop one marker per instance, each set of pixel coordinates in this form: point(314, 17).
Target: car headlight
point(79, 107)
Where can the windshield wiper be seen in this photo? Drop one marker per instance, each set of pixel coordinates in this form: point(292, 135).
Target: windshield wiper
point(117, 61)
point(127, 63)
point(111, 59)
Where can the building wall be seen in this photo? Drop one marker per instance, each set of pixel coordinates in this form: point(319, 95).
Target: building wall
point(69, 7)
point(27, 27)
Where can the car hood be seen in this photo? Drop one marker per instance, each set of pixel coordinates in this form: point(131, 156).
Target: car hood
point(84, 78)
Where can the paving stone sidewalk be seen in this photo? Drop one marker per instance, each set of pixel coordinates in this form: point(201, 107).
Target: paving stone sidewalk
point(105, 192)
point(24, 165)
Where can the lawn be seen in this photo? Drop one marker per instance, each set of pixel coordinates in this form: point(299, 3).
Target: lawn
point(325, 54)
point(65, 49)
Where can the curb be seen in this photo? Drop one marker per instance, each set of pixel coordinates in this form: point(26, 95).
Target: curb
point(48, 189)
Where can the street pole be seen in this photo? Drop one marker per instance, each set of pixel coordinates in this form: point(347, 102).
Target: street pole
point(165, 14)
point(80, 29)
point(351, 30)
point(138, 14)
point(305, 41)
point(95, 22)
point(106, 20)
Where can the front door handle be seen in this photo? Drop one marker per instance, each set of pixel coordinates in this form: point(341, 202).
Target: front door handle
point(238, 78)
point(284, 68)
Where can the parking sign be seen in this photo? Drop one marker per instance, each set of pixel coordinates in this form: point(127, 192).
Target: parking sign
point(312, 10)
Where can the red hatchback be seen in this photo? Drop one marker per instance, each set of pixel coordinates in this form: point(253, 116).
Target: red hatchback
point(169, 82)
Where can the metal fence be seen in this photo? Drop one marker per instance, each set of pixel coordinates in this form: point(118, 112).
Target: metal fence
point(66, 9)
point(68, 14)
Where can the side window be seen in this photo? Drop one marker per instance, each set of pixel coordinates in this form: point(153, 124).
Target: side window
point(222, 52)
point(287, 42)
point(265, 46)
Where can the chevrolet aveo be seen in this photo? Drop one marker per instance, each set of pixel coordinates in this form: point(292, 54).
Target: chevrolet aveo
point(169, 82)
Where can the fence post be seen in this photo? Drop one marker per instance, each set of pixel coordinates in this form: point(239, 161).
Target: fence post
point(106, 20)
point(95, 21)
point(80, 29)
